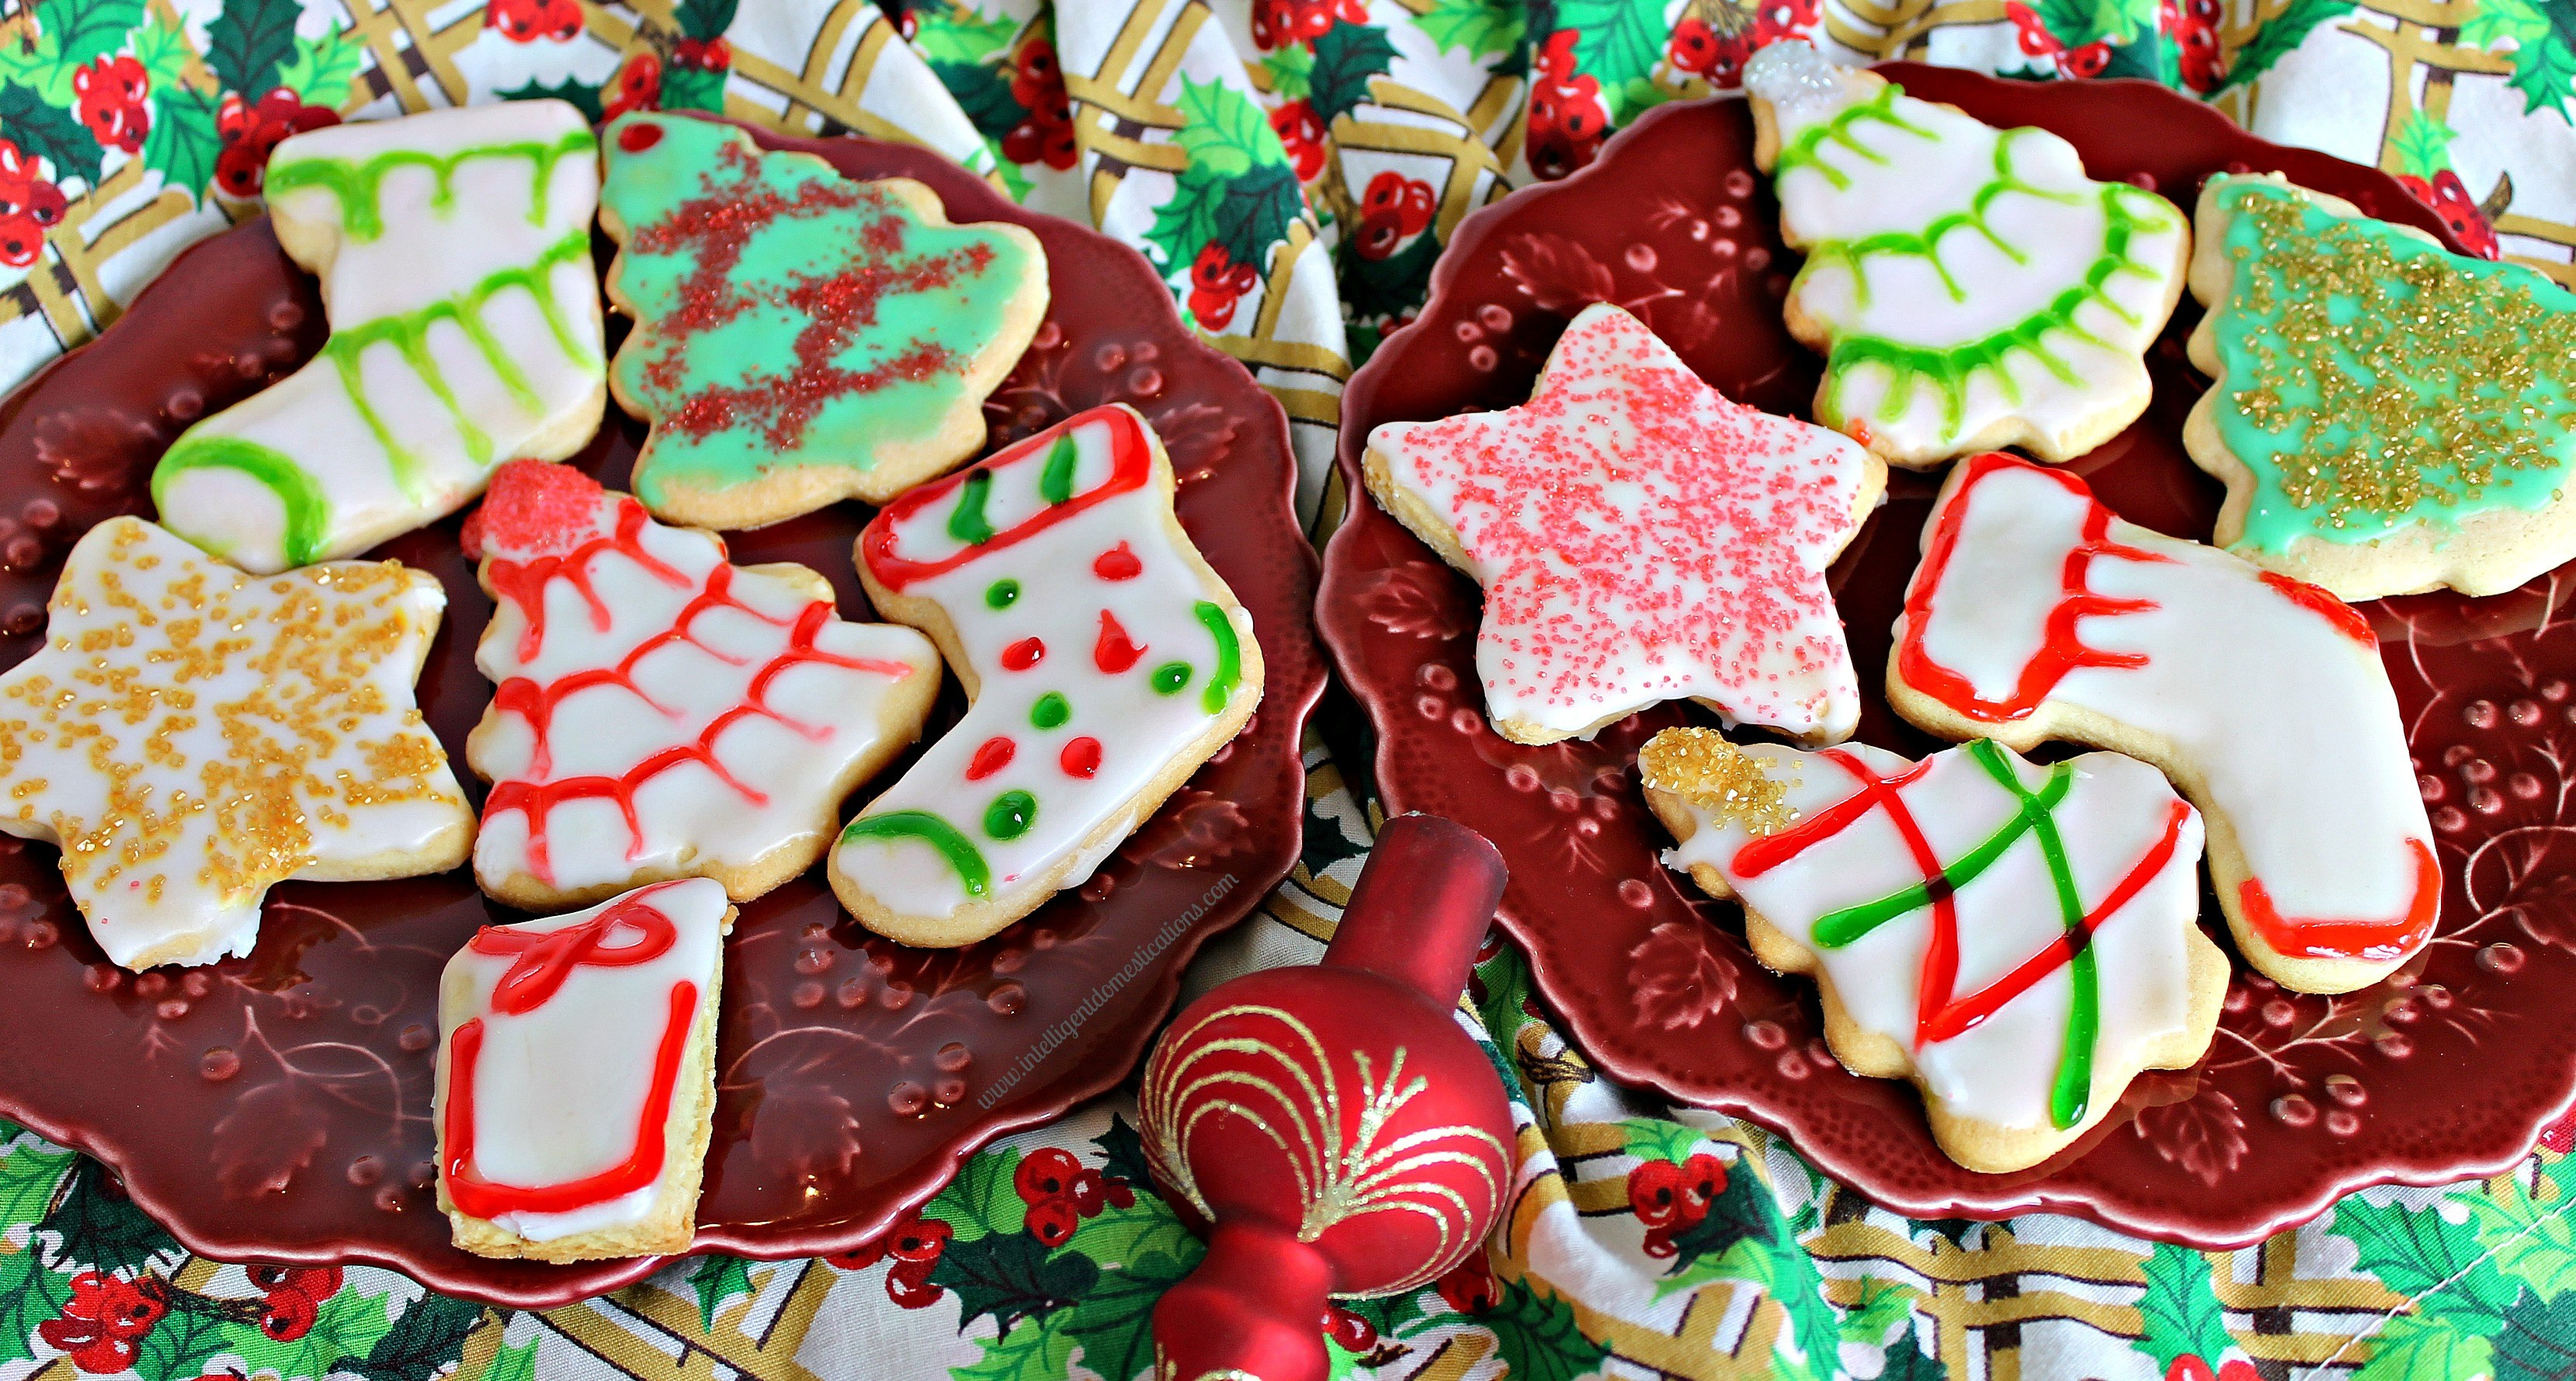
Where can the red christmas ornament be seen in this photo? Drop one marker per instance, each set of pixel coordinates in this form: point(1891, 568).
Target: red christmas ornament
point(1332, 1129)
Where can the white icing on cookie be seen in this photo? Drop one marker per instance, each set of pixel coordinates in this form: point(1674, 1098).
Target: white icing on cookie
point(660, 713)
point(564, 1037)
point(191, 736)
point(454, 251)
point(2036, 613)
point(1640, 539)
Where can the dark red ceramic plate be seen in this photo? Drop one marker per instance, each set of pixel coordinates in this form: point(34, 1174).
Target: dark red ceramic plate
point(275, 1108)
point(2449, 1069)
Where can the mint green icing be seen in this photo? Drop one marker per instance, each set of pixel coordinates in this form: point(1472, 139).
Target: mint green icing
point(359, 183)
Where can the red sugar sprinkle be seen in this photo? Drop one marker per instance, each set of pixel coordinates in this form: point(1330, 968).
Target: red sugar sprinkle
point(531, 508)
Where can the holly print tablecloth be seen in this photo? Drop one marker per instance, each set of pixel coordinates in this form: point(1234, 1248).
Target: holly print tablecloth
point(1294, 167)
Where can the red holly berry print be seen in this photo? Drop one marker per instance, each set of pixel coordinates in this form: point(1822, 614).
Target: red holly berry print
point(1566, 120)
point(103, 1323)
point(2036, 41)
point(1470, 1287)
point(29, 206)
point(638, 86)
point(1216, 285)
point(1037, 83)
point(2193, 27)
point(703, 54)
point(2560, 1136)
point(1671, 1199)
point(1393, 209)
point(1301, 132)
point(252, 132)
point(1278, 23)
point(1061, 1191)
point(2190, 1368)
point(2449, 198)
point(535, 21)
point(112, 92)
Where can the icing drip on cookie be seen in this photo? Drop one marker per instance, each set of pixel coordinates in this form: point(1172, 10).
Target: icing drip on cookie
point(1979, 910)
point(455, 254)
point(1972, 284)
point(192, 736)
point(569, 1057)
point(721, 710)
point(2032, 595)
point(2372, 380)
point(1641, 538)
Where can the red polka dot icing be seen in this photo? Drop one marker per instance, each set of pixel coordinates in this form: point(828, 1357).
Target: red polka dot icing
point(1642, 538)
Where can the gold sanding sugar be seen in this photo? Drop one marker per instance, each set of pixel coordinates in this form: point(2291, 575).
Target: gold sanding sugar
point(1701, 767)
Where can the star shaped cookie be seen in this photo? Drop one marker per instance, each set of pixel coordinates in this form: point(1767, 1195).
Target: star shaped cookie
point(1641, 538)
point(191, 736)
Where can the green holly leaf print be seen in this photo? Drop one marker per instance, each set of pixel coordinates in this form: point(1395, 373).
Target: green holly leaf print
point(514, 1363)
point(2278, 36)
point(1325, 842)
point(692, 88)
point(1237, 190)
point(951, 32)
point(1012, 1278)
point(1882, 1303)
point(1147, 1229)
point(350, 1325)
point(321, 70)
point(1482, 27)
point(983, 93)
point(1507, 987)
point(581, 95)
point(2413, 1347)
point(1346, 56)
point(30, 1173)
point(2416, 1252)
point(101, 1229)
point(426, 1339)
point(184, 141)
point(2423, 145)
point(1740, 1217)
point(704, 19)
point(181, 1345)
point(2079, 22)
point(85, 30)
point(249, 41)
point(2180, 1309)
point(2535, 1342)
point(30, 1293)
point(1038, 1350)
point(40, 67)
point(49, 132)
point(2529, 1243)
point(1907, 1361)
point(715, 1280)
point(1114, 1321)
point(1224, 133)
point(162, 48)
point(982, 1200)
point(1538, 1338)
point(1653, 1138)
point(1122, 1152)
point(1291, 70)
point(1401, 1316)
point(2543, 36)
point(1615, 40)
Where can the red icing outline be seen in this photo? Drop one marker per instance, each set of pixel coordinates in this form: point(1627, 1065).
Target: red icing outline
point(1131, 467)
point(546, 958)
point(2316, 598)
point(2303, 937)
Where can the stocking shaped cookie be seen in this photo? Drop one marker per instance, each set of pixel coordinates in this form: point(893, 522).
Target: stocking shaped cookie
point(1640, 539)
point(661, 713)
point(2019, 941)
point(192, 736)
point(454, 253)
point(799, 337)
point(1105, 661)
point(2388, 416)
point(1970, 286)
point(576, 1077)
point(2037, 614)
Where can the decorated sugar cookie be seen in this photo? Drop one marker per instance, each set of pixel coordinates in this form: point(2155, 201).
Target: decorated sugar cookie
point(2037, 614)
point(576, 1077)
point(1105, 660)
point(192, 736)
point(1969, 286)
point(454, 253)
point(800, 338)
point(2019, 941)
point(2388, 416)
point(660, 713)
point(1640, 539)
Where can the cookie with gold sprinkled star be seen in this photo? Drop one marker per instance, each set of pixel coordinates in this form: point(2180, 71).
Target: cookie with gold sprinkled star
point(191, 736)
point(2388, 416)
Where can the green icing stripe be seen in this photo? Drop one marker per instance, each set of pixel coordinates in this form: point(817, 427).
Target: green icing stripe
point(2072, 1091)
point(1802, 151)
point(973, 873)
point(1926, 243)
point(359, 184)
point(1056, 484)
point(1836, 929)
point(308, 513)
point(966, 522)
point(1229, 658)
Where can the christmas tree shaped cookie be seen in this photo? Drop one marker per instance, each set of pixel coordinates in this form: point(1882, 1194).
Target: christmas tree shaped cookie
point(2019, 941)
point(576, 1077)
point(2388, 416)
point(800, 338)
point(1105, 660)
point(454, 254)
point(1969, 286)
point(1640, 539)
point(192, 736)
point(2038, 615)
point(660, 713)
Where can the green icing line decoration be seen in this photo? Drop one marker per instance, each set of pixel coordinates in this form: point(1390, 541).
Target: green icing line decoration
point(1055, 485)
point(966, 522)
point(1001, 594)
point(1229, 658)
point(973, 873)
point(359, 184)
point(2371, 381)
point(1170, 677)
point(1801, 152)
point(1010, 815)
point(1050, 711)
point(308, 513)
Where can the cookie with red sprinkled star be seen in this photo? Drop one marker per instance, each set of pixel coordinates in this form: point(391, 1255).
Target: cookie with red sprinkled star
point(2017, 941)
point(661, 713)
point(800, 337)
point(1104, 657)
point(1641, 538)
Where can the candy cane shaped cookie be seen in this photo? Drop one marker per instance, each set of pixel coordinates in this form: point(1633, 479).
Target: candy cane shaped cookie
point(2037, 614)
point(1104, 658)
point(454, 254)
point(660, 713)
point(2019, 941)
point(576, 1077)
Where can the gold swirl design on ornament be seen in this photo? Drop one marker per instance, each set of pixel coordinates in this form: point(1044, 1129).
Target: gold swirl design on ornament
point(1300, 1108)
